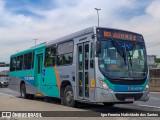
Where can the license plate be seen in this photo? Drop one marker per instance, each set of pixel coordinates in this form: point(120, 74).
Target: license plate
point(129, 99)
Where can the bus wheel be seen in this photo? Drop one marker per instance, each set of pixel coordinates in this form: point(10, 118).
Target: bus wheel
point(23, 91)
point(68, 97)
point(108, 104)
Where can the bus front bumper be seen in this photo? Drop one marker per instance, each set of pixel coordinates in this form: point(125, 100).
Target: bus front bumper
point(111, 96)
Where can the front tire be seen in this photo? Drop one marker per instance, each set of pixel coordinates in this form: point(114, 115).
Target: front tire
point(69, 97)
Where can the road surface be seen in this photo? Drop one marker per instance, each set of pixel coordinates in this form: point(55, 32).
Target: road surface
point(10, 101)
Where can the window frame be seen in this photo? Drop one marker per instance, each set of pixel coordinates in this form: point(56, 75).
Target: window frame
point(32, 61)
point(65, 53)
point(11, 64)
point(54, 45)
point(22, 62)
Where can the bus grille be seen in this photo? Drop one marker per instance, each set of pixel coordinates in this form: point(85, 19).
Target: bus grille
point(127, 82)
point(122, 97)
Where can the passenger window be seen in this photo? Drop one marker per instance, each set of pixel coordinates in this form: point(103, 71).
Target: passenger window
point(28, 61)
point(50, 56)
point(19, 65)
point(65, 53)
point(13, 64)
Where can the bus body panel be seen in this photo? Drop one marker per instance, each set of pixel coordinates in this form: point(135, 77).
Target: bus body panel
point(85, 81)
point(109, 95)
point(26, 76)
point(50, 86)
point(118, 92)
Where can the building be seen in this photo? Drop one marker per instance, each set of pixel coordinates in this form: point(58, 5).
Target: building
point(151, 61)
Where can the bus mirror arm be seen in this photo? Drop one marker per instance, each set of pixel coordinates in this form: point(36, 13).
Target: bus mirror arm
point(98, 48)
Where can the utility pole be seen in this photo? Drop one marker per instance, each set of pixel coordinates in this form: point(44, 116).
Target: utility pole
point(97, 14)
point(35, 41)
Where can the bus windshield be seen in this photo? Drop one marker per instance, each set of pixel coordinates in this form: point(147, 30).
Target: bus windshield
point(125, 59)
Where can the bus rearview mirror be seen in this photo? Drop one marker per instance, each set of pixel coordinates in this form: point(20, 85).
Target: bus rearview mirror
point(98, 47)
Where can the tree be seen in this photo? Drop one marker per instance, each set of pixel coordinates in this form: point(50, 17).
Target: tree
point(157, 60)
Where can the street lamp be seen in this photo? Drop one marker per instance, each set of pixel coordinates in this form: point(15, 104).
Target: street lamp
point(98, 14)
point(35, 41)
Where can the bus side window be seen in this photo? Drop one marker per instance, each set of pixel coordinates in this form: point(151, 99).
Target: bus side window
point(19, 65)
point(13, 64)
point(91, 57)
point(28, 59)
point(50, 56)
point(65, 53)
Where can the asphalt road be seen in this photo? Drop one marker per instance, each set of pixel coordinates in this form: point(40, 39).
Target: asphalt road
point(10, 101)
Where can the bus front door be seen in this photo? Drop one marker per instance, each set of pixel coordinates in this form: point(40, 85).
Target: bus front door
point(85, 72)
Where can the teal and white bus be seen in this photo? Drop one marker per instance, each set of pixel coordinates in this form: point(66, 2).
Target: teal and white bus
point(94, 65)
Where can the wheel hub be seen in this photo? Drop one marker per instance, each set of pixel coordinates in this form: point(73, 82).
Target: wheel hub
point(69, 96)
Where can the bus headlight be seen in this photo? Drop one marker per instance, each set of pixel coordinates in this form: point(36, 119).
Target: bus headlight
point(105, 86)
point(147, 87)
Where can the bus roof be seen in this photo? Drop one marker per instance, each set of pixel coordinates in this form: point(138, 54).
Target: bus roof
point(68, 37)
point(83, 32)
point(30, 49)
point(71, 36)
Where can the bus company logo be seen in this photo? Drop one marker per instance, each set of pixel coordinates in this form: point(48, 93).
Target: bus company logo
point(130, 88)
point(29, 78)
point(6, 115)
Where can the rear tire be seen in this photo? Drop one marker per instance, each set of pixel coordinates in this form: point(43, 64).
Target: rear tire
point(23, 93)
point(68, 97)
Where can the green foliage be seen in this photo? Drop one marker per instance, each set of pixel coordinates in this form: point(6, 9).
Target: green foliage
point(157, 60)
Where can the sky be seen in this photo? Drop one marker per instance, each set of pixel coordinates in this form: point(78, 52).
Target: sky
point(21, 21)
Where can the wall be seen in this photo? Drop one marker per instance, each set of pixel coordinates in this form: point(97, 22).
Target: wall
point(154, 84)
point(154, 80)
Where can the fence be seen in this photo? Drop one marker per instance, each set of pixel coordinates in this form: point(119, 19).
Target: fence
point(154, 80)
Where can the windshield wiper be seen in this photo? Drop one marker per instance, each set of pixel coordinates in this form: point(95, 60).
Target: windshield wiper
point(131, 56)
point(120, 50)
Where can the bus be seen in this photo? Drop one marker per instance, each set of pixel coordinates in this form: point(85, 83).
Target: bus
point(94, 65)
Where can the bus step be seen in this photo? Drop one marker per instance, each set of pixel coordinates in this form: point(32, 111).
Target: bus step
point(39, 95)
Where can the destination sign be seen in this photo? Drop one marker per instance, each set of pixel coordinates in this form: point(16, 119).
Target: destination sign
point(120, 34)
point(117, 35)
